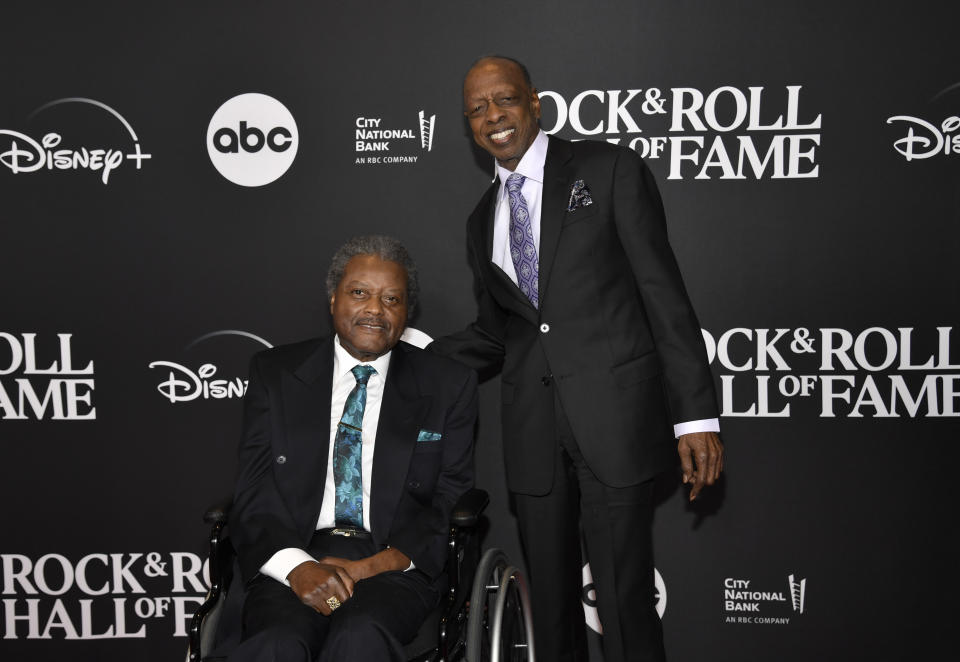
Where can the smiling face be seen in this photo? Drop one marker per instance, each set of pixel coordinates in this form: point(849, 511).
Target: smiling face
point(502, 109)
point(369, 306)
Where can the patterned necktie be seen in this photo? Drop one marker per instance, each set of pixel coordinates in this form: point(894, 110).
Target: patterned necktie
point(347, 447)
point(522, 249)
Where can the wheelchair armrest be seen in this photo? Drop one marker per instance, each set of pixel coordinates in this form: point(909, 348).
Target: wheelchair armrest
point(463, 548)
point(217, 512)
point(469, 507)
point(199, 634)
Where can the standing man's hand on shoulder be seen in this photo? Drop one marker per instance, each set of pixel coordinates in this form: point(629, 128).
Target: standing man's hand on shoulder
point(314, 583)
point(701, 458)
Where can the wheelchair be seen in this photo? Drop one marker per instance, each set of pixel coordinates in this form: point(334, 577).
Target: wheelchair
point(484, 615)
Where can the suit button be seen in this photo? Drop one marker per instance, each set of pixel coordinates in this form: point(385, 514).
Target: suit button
point(281, 459)
point(544, 328)
point(413, 484)
point(545, 380)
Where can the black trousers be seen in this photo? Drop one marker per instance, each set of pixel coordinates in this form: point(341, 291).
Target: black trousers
point(385, 612)
point(617, 529)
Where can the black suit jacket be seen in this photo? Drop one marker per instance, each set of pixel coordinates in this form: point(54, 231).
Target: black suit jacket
point(286, 439)
point(615, 333)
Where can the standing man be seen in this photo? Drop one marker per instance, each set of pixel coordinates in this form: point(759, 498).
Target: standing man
point(355, 449)
point(582, 308)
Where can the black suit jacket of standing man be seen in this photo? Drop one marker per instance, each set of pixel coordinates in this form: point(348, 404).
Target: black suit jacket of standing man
point(615, 332)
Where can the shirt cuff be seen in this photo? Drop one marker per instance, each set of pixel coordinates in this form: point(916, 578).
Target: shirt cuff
point(703, 425)
point(280, 564)
point(410, 567)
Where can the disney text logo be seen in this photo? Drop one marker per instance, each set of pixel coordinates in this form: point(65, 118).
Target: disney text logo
point(27, 155)
point(928, 140)
point(191, 386)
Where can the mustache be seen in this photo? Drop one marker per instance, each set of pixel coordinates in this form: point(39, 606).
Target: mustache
point(371, 321)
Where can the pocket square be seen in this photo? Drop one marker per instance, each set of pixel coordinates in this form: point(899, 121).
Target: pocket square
point(579, 196)
point(427, 435)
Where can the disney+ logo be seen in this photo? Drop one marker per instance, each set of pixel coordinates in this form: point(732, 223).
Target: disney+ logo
point(25, 154)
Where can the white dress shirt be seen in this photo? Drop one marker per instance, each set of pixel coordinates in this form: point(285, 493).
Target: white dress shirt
point(531, 167)
point(282, 562)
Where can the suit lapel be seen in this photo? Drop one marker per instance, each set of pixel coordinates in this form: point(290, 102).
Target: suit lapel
point(484, 226)
point(306, 396)
point(506, 291)
point(317, 364)
point(557, 180)
point(401, 412)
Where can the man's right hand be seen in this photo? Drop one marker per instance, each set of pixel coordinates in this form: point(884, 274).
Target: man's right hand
point(315, 582)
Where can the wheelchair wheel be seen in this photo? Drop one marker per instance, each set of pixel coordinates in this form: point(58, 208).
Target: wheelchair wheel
point(486, 583)
point(511, 636)
point(499, 628)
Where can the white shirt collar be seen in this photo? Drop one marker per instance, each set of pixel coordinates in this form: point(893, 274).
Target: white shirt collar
point(343, 362)
point(531, 164)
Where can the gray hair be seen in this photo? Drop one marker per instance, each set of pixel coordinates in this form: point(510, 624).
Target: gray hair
point(387, 249)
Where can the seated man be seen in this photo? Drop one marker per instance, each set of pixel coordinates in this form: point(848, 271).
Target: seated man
point(355, 449)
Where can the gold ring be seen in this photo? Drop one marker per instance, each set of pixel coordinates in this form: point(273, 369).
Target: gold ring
point(332, 602)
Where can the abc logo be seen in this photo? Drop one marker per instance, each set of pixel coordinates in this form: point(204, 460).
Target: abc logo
point(252, 139)
point(229, 141)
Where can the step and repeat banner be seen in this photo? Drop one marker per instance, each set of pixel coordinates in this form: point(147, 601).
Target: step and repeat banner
point(175, 177)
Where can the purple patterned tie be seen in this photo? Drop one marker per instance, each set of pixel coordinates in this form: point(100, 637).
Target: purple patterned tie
point(522, 249)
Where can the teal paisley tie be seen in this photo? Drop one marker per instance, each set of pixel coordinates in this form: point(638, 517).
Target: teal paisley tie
point(347, 447)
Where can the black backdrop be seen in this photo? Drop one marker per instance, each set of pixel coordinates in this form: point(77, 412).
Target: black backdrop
point(815, 220)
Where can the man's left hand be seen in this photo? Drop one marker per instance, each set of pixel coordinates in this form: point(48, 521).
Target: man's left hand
point(356, 569)
point(384, 561)
point(701, 457)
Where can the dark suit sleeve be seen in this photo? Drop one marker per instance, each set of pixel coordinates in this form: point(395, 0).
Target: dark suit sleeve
point(424, 540)
point(260, 523)
point(640, 222)
point(479, 345)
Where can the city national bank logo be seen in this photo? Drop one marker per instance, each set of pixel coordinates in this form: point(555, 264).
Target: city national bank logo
point(252, 139)
point(589, 598)
point(798, 592)
point(206, 381)
point(755, 605)
point(38, 380)
point(382, 144)
point(925, 139)
point(104, 153)
point(727, 133)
